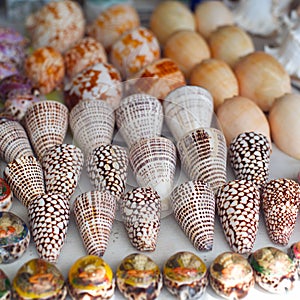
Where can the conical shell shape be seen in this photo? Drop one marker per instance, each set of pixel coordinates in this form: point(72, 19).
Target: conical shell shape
point(188, 108)
point(193, 204)
point(92, 123)
point(153, 162)
point(46, 123)
point(94, 213)
point(139, 116)
point(25, 178)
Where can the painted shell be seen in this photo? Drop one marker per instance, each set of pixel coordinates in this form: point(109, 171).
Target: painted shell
point(139, 277)
point(39, 279)
point(231, 276)
point(91, 278)
point(14, 237)
point(5, 196)
point(5, 286)
point(273, 269)
point(185, 275)
point(294, 254)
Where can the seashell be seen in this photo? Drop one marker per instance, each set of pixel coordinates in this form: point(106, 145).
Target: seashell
point(273, 270)
point(38, 279)
point(14, 142)
point(15, 237)
point(294, 254)
point(193, 205)
point(185, 275)
point(94, 213)
point(62, 165)
point(46, 123)
point(231, 276)
point(25, 178)
point(90, 277)
point(14, 53)
point(280, 203)
point(141, 212)
point(249, 155)
point(134, 50)
point(203, 155)
point(6, 196)
point(107, 168)
point(5, 286)
point(153, 162)
point(57, 24)
point(188, 108)
point(12, 36)
point(238, 204)
point(101, 81)
point(84, 54)
point(139, 277)
point(92, 123)
point(49, 216)
point(7, 68)
point(139, 116)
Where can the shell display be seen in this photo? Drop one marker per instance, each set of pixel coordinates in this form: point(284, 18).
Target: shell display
point(188, 108)
point(238, 204)
point(7, 69)
point(203, 154)
point(107, 169)
point(92, 123)
point(14, 237)
point(231, 276)
point(294, 254)
point(139, 116)
point(49, 216)
point(249, 155)
point(280, 204)
point(273, 270)
point(38, 279)
point(5, 196)
point(141, 212)
point(25, 178)
point(94, 213)
point(193, 205)
point(12, 53)
point(139, 277)
point(185, 275)
point(153, 162)
point(5, 286)
point(12, 36)
point(90, 278)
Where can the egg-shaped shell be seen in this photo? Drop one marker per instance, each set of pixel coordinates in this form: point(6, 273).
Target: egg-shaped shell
point(217, 77)
point(169, 17)
point(187, 48)
point(262, 78)
point(5, 286)
point(59, 24)
point(240, 114)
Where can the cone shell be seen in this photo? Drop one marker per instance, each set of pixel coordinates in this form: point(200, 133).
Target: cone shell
point(107, 169)
point(141, 211)
point(62, 165)
point(193, 205)
point(188, 108)
point(294, 254)
point(5, 196)
point(25, 178)
point(139, 116)
point(92, 123)
point(238, 204)
point(49, 216)
point(203, 154)
point(280, 203)
point(46, 123)
point(94, 213)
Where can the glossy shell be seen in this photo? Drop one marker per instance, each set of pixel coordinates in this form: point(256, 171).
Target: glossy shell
point(5, 286)
point(5, 195)
point(231, 276)
point(139, 277)
point(38, 279)
point(294, 254)
point(185, 275)
point(91, 278)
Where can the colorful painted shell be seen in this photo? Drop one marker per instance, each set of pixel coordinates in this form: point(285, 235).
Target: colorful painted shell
point(294, 254)
point(139, 277)
point(185, 275)
point(231, 276)
point(39, 279)
point(90, 278)
point(5, 286)
point(5, 195)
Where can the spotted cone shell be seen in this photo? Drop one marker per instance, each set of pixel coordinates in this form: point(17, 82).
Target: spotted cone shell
point(238, 204)
point(49, 216)
point(193, 204)
point(141, 211)
point(94, 213)
point(280, 203)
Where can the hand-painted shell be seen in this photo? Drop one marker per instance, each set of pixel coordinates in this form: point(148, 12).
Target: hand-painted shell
point(294, 254)
point(5, 195)
point(5, 286)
